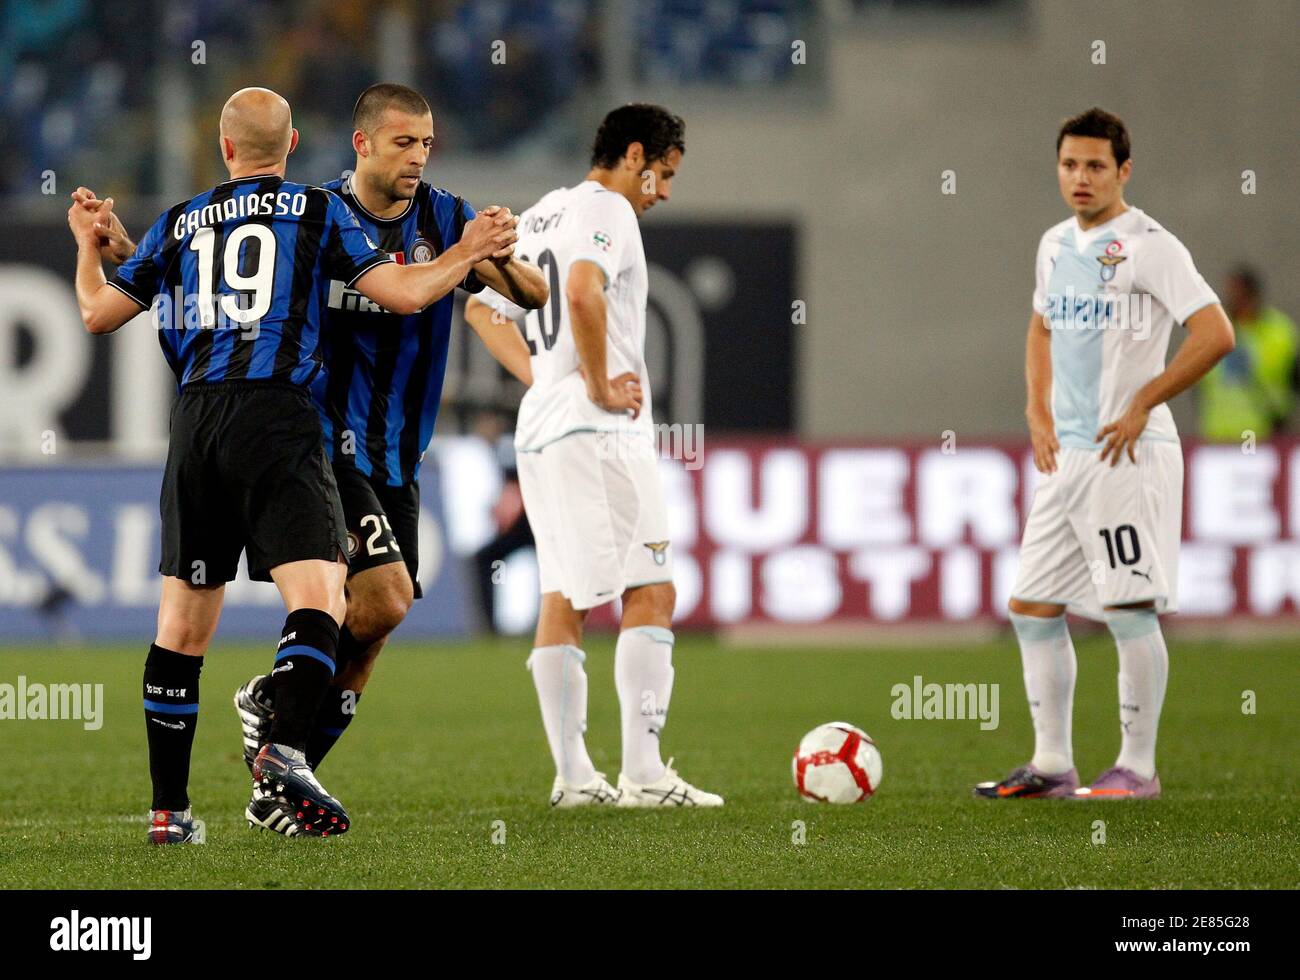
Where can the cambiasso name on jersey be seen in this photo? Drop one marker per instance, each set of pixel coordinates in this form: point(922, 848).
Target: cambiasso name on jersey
point(271, 204)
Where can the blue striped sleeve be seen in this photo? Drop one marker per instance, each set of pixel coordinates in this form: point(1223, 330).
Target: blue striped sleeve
point(140, 276)
point(348, 251)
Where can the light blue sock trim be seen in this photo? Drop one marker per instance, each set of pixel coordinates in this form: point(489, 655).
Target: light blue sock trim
point(1132, 624)
point(656, 633)
point(1036, 629)
point(570, 650)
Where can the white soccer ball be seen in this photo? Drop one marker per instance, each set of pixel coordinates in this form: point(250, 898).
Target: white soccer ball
point(837, 763)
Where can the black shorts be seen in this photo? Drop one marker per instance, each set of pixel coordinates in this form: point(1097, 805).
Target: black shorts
point(383, 522)
point(246, 471)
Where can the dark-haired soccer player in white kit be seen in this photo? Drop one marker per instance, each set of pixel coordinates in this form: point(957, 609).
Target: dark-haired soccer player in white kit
point(1103, 531)
point(588, 467)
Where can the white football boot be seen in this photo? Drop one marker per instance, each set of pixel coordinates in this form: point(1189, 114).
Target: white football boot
point(668, 790)
point(596, 792)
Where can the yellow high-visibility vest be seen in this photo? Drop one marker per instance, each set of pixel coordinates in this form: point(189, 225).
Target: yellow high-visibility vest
point(1250, 389)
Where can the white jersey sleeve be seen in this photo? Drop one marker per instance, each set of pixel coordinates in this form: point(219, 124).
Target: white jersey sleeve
point(1167, 272)
point(603, 233)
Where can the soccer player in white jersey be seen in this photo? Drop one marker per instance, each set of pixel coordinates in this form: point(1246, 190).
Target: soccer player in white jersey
point(587, 463)
point(1103, 530)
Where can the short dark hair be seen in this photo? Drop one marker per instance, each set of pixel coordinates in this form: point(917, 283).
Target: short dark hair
point(384, 95)
point(654, 127)
point(1099, 124)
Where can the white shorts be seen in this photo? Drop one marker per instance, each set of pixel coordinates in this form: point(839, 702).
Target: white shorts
point(1099, 536)
point(596, 505)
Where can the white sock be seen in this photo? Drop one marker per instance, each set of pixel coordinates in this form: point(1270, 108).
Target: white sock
point(643, 674)
point(1050, 669)
point(1143, 677)
point(562, 691)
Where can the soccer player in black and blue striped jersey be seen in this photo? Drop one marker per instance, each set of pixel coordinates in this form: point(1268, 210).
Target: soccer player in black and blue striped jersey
point(380, 394)
point(238, 278)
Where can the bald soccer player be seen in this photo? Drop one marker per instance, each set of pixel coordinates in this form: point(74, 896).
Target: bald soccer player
point(379, 391)
point(237, 277)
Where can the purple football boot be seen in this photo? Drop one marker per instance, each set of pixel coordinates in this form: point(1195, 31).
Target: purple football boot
point(1118, 783)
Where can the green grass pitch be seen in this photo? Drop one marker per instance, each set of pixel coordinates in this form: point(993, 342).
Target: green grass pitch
point(448, 741)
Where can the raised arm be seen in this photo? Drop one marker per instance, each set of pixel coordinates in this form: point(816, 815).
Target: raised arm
point(502, 338)
point(520, 282)
point(103, 308)
point(115, 244)
point(584, 292)
point(408, 289)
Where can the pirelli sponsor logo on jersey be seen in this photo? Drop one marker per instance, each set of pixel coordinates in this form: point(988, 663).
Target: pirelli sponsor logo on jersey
point(350, 300)
point(342, 297)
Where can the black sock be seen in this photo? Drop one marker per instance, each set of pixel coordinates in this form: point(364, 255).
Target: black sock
point(304, 665)
point(350, 649)
point(171, 711)
point(332, 718)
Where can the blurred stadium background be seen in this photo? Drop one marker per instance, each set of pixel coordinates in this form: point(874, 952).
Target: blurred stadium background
point(844, 330)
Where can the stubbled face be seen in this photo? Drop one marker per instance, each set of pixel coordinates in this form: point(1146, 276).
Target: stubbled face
point(1090, 181)
point(656, 182)
point(396, 151)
